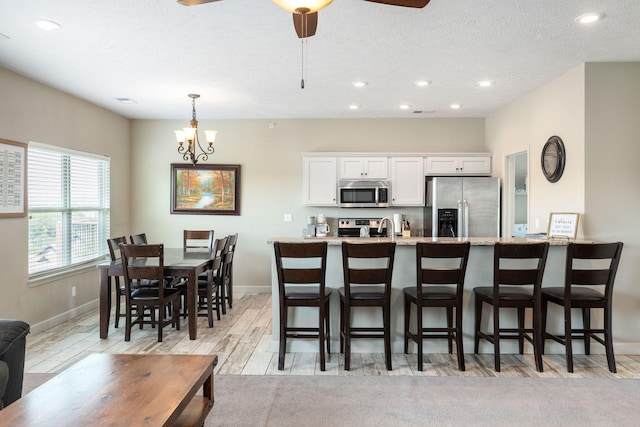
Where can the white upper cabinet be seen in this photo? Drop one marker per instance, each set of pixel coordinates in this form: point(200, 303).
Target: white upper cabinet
point(407, 181)
point(471, 165)
point(363, 168)
point(319, 181)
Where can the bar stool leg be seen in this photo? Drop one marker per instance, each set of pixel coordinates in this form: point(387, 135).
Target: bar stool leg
point(386, 316)
point(459, 346)
point(283, 337)
point(496, 337)
point(567, 338)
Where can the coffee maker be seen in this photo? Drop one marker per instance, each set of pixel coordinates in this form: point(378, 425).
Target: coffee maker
point(311, 226)
point(322, 228)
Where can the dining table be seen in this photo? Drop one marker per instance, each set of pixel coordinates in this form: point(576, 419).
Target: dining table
point(178, 263)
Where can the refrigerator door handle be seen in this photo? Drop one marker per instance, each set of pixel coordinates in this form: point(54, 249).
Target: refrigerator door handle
point(466, 219)
point(459, 230)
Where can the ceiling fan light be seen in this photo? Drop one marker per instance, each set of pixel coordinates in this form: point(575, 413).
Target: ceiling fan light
point(310, 6)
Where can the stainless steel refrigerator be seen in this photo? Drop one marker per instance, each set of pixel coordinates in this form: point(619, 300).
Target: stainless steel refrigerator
point(462, 207)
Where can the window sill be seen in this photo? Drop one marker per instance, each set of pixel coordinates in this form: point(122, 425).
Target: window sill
point(53, 276)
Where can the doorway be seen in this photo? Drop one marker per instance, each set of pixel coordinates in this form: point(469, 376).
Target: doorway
point(516, 194)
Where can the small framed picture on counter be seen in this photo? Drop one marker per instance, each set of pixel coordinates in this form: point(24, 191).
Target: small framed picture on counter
point(563, 225)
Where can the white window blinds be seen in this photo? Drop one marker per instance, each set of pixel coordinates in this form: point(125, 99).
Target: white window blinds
point(68, 199)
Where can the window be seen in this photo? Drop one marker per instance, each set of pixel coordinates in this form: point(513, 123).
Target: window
point(68, 194)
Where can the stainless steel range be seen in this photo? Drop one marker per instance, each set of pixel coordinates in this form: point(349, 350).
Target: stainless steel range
point(353, 227)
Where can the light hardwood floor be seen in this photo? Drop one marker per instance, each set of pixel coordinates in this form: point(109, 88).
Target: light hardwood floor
point(242, 341)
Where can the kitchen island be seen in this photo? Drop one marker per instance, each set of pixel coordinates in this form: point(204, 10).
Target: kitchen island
point(479, 273)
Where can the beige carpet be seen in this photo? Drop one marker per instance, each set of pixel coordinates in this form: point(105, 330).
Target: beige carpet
point(409, 401)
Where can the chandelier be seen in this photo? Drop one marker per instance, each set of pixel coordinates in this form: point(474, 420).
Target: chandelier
point(190, 137)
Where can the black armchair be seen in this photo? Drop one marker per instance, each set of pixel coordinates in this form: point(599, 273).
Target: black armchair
point(12, 354)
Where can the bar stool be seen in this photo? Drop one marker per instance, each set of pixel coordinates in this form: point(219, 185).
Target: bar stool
point(515, 286)
point(438, 285)
point(368, 268)
point(579, 292)
point(301, 269)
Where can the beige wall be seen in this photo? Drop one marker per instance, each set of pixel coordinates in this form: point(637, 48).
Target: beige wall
point(594, 108)
point(272, 175)
point(30, 111)
point(556, 108)
point(613, 181)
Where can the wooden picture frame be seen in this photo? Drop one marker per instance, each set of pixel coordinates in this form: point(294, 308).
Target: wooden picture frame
point(13, 179)
point(205, 189)
point(563, 225)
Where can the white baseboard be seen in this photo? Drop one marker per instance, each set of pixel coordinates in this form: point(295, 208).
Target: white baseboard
point(62, 317)
point(251, 289)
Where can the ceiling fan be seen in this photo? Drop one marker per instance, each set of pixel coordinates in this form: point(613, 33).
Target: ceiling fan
point(305, 12)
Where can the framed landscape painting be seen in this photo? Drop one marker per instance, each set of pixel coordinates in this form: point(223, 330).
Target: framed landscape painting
point(205, 189)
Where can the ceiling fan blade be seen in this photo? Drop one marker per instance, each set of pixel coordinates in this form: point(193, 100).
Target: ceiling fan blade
point(405, 3)
point(194, 2)
point(305, 24)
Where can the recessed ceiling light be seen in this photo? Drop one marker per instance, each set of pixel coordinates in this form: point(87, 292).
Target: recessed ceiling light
point(405, 106)
point(485, 83)
point(354, 107)
point(589, 18)
point(455, 106)
point(47, 25)
point(422, 83)
point(359, 84)
point(126, 101)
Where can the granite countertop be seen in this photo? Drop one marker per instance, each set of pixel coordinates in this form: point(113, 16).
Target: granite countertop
point(411, 241)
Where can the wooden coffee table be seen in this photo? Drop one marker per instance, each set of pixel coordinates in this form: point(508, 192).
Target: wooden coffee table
point(121, 389)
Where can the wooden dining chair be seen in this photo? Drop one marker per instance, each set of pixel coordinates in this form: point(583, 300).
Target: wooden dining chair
point(301, 269)
point(440, 272)
point(207, 293)
point(114, 252)
point(366, 286)
point(138, 239)
point(197, 239)
point(146, 262)
point(515, 285)
point(207, 298)
point(590, 271)
point(232, 241)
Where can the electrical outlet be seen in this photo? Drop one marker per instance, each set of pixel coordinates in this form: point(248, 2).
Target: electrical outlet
point(288, 217)
point(73, 291)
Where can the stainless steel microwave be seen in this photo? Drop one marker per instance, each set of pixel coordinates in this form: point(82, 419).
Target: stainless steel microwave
point(363, 194)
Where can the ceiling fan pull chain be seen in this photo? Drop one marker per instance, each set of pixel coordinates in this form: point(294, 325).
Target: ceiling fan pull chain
point(302, 64)
point(302, 46)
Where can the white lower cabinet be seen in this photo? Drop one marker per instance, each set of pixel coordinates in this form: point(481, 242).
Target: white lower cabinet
point(407, 181)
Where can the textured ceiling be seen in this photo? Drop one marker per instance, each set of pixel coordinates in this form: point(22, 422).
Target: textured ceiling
point(244, 58)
